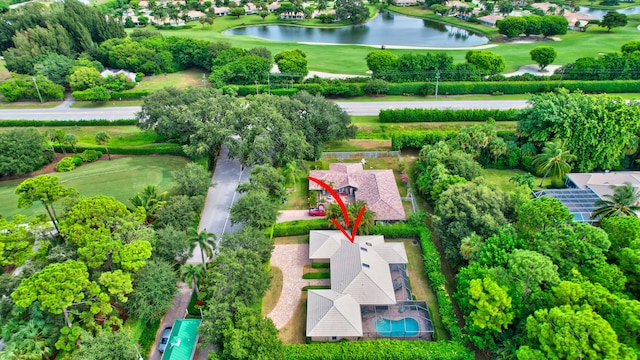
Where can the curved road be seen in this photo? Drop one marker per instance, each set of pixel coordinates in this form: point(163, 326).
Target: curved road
point(353, 108)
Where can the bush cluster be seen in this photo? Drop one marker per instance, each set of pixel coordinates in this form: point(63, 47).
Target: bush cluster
point(97, 94)
point(299, 227)
point(90, 155)
point(23, 87)
point(437, 115)
point(317, 275)
point(66, 164)
point(418, 139)
point(395, 231)
point(379, 350)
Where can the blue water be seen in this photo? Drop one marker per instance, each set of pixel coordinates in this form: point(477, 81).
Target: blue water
point(384, 29)
point(404, 327)
point(601, 13)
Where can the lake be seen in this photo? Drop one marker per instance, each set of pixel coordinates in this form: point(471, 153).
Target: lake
point(385, 29)
point(601, 13)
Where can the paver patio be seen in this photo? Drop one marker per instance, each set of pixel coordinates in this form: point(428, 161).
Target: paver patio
point(291, 259)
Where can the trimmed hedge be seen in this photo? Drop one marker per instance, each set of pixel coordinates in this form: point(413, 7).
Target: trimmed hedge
point(418, 139)
point(299, 227)
point(51, 123)
point(344, 89)
point(316, 287)
point(88, 95)
point(395, 231)
point(437, 282)
point(379, 350)
point(437, 115)
point(320, 265)
point(317, 275)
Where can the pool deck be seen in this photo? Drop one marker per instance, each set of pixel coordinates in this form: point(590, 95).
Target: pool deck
point(369, 323)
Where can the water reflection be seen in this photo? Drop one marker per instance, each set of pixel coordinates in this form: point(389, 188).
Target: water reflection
point(601, 13)
point(385, 29)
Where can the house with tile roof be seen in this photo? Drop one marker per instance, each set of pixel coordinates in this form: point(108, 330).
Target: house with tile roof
point(369, 288)
point(377, 188)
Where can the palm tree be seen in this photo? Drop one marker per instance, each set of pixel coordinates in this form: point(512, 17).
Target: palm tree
point(206, 241)
point(553, 160)
point(103, 138)
point(624, 202)
point(190, 274)
point(290, 169)
point(150, 200)
point(525, 179)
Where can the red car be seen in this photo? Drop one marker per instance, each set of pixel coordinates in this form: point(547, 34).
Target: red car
point(319, 211)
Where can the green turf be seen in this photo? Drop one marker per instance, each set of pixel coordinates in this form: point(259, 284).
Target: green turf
point(500, 178)
point(352, 57)
point(121, 178)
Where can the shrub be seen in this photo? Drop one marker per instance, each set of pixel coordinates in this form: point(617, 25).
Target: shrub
point(384, 349)
point(22, 87)
point(417, 139)
point(65, 165)
point(376, 87)
point(316, 287)
point(90, 155)
point(299, 227)
point(317, 275)
point(320, 265)
point(129, 95)
point(77, 160)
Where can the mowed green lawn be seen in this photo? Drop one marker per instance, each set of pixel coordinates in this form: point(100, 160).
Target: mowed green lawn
point(351, 58)
point(120, 178)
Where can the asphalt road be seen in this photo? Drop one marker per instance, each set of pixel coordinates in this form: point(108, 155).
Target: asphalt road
point(353, 108)
point(215, 214)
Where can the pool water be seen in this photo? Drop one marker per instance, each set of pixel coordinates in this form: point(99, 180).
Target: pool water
point(403, 327)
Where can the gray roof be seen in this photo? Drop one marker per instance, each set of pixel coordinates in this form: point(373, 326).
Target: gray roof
point(580, 203)
point(330, 313)
point(362, 273)
point(324, 243)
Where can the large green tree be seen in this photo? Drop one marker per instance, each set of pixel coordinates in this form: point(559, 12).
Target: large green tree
point(250, 335)
point(45, 189)
point(154, 287)
point(465, 208)
point(255, 209)
point(598, 129)
point(16, 241)
point(613, 19)
point(248, 238)
point(487, 62)
point(107, 346)
point(570, 333)
point(543, 55)
point(29, 156)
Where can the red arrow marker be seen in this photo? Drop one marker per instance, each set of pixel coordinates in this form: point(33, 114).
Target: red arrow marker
point(335, 195)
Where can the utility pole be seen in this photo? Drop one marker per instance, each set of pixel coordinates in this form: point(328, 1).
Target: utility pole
point(204, 80)
point(269, 82)
point(38, 90)
point(437, 79)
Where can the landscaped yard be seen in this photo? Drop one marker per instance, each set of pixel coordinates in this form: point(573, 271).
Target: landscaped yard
point(273, 293)
point(500, 178)
point(181, 79)
point(121, 178)
point(293, 332)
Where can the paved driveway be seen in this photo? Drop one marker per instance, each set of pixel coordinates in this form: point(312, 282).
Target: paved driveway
point(215, 214)
point(290, 215)
point(291, 259)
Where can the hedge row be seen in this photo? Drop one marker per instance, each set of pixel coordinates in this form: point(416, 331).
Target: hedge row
point(418, 139)
point(452, 88)
point(50, 123)
point(299, 227)
point(379, 350)
point(437, 281)
point(159, 149)
point(88, 95)
point(395, 231)
point(437, 115)
point(317, 275)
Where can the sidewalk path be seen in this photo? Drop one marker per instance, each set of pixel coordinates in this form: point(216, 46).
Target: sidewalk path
point(291, 259)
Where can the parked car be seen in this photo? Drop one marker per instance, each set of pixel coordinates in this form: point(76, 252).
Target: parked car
point(164, 339)
point(317, 211)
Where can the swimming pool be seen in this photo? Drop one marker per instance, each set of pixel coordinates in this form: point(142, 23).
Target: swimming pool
point(403, 327)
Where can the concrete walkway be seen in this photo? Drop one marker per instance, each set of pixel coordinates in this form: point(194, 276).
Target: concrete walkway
point(177, 311)
point(291, 259)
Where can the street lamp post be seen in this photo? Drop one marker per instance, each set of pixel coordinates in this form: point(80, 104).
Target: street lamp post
point(37, 89)
point(437, 79)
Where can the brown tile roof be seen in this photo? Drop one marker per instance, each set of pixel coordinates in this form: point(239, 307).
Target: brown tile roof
point(377, 187)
